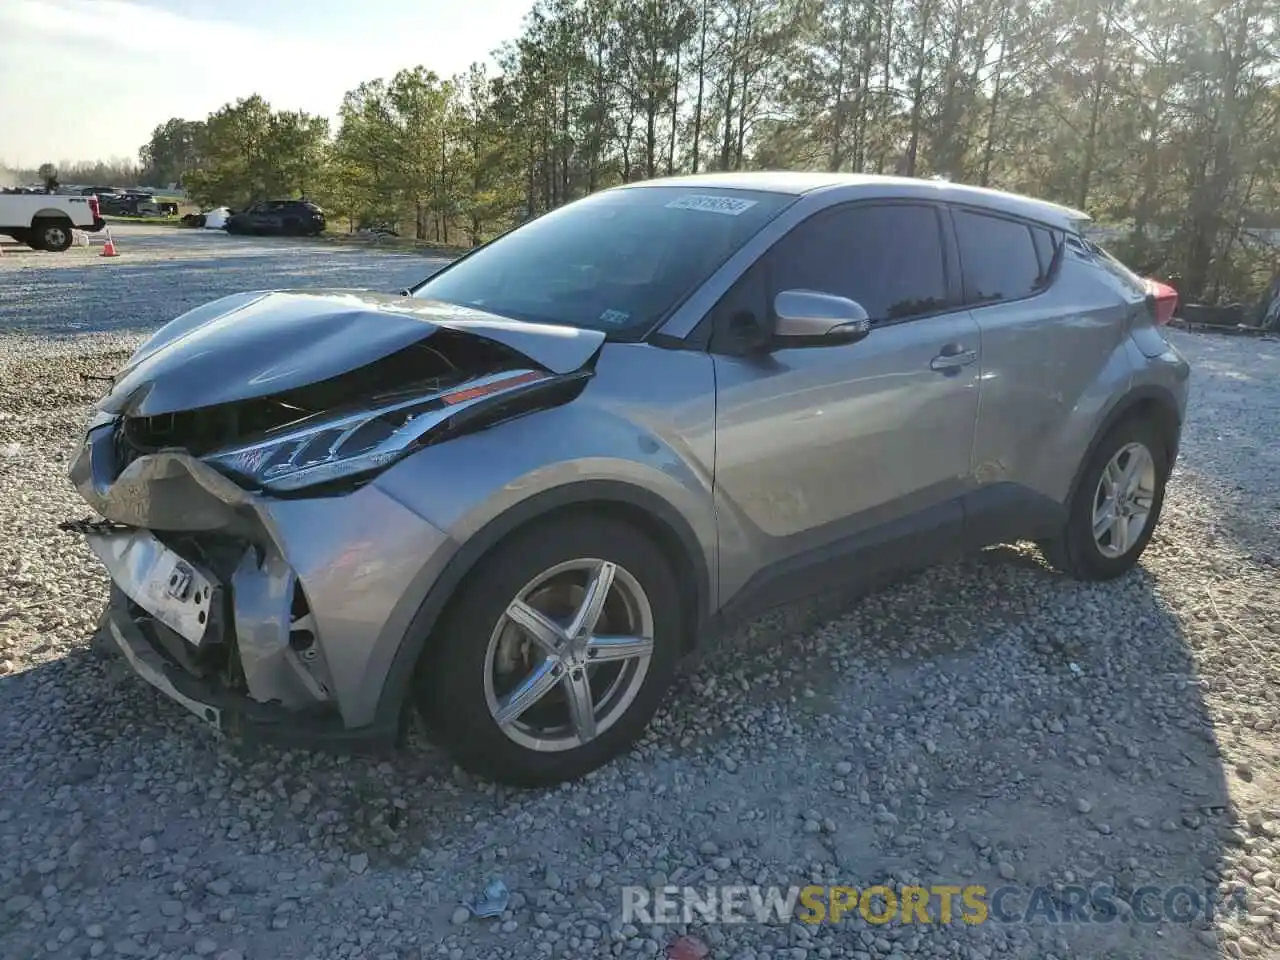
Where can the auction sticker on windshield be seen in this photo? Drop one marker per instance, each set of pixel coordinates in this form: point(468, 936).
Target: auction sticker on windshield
point(731, 206)
point(614, 317)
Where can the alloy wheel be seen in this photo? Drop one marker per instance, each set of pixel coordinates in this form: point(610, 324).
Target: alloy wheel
point(1123, 500)
point(569, 655)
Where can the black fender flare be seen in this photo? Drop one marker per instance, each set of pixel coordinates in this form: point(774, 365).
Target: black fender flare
point(661, 519)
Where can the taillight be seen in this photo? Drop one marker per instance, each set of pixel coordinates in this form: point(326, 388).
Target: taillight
point(1164, 298)
point(93, 206)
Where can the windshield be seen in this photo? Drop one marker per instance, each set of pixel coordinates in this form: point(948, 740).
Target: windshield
point(617, 261)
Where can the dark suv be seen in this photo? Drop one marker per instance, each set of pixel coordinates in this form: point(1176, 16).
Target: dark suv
point(279, 217)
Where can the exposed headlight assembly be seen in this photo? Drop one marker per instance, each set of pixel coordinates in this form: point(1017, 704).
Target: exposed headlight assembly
point(334, 448)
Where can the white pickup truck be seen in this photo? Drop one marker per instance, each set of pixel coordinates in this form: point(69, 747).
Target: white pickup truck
point(44, 221)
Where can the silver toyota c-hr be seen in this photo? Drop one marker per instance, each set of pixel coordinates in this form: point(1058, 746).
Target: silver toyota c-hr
point(512, 496)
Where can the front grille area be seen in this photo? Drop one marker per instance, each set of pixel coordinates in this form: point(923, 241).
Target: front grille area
point(125, 451)
point(196, 432)
point(447, 359)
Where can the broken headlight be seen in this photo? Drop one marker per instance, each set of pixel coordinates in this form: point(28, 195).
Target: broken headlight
point(335, 448)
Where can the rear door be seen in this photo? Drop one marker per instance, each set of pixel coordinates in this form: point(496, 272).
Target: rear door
point(1046, 344)
point(824, 451)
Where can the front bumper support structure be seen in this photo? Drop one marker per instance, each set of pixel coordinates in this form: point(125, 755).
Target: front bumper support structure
point(227, 712)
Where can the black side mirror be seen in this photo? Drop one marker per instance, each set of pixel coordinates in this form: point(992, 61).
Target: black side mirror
point(810, 318)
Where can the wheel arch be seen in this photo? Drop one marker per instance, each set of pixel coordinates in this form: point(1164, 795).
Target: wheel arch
point(645, 510)
point(50, 213)
point(1154, 403)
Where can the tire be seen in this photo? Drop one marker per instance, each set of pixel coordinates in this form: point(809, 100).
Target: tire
point(460, 681)
point(51, 234)
point(1077, 552)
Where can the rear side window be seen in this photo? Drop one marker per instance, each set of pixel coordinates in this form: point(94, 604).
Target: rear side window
point(1104, 259)
point(1001, 259)
point(886, 257)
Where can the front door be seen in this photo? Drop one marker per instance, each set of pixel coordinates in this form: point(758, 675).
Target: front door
point(850, 455)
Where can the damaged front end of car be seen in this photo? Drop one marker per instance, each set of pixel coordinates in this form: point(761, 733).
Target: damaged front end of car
point(254, 562)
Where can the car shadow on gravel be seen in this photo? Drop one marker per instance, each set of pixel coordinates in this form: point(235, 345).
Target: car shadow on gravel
point(1030, 742)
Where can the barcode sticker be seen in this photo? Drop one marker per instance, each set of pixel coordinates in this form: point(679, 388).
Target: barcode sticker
point(731, 206)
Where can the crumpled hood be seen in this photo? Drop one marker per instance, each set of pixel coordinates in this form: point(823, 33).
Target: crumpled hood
point(251, 345)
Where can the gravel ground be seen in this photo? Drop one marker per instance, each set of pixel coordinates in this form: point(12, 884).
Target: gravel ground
point(989, 722)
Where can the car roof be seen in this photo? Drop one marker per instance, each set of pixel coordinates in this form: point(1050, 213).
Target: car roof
point(864, 186)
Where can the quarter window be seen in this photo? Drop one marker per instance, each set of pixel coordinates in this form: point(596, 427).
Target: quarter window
point(1048, 243)
point(1127, 278)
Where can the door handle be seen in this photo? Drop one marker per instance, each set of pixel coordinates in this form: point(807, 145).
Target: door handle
point(953, 357)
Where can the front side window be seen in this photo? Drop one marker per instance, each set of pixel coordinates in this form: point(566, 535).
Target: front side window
point(887, 257)
point(617, 261)
point(999, 258)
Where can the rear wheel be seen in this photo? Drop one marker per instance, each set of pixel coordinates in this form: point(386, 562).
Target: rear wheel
point(1117, 504)
point(556, 654)
point(51, 234)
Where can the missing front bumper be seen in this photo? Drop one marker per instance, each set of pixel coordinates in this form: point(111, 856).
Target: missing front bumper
point(358, 565)
point(177, 593)
point(149, 664)
point(226, 712)
point(230, 611)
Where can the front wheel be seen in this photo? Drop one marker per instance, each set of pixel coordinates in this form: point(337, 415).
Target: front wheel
point(556, 654)
point(1116, 506)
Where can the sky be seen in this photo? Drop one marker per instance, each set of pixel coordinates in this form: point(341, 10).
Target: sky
point(90, 79)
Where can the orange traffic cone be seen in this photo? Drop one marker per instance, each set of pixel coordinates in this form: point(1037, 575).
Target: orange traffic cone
point(109, 250)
